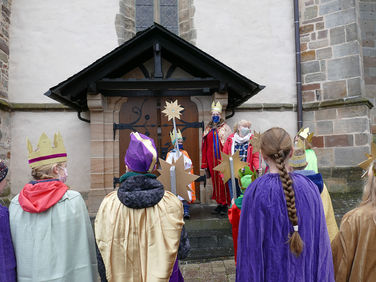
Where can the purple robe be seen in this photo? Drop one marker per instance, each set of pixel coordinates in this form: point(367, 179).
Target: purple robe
point(176, 275)
point(263, 251)
point(7, 258)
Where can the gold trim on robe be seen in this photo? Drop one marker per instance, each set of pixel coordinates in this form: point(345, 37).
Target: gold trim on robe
point(139, 245)
point(331, 223)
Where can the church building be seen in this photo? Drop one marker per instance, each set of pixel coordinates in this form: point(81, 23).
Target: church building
point(97, 70)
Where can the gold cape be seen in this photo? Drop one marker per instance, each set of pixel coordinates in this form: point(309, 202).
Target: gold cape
point(354, 247)
point(331, 223)
point(139, 245)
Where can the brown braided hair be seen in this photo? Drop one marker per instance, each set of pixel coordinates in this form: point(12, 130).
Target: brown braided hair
point(276, 144)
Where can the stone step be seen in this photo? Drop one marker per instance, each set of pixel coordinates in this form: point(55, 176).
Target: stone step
point(210, 235)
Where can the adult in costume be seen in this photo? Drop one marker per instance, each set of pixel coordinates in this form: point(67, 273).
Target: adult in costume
point(354, 246)
point(174, 155)
point(138, 227)
point(51, 231)
point(298, 163)
point(215, 135)
point(240, 141)
point(282, 231)
point(7, 258)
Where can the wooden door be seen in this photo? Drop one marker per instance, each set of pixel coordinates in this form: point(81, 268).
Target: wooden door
point(143, 114)
point(137, 114)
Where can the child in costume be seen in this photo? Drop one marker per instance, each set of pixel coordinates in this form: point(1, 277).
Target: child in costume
point(240, 141)
point(173, 155)
point(298, 164)
point(51, 231)
point(354, 246)
point(311, 157)
point(247, 176)
point(282, 231)
point(7, 257)
point(138, 227)
point(215, 136)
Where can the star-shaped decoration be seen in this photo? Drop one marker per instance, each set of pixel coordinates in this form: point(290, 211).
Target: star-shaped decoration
point(224, 166)
point(370, 158)
point(172, 110)
point(183, 177)
point(303, 132)
point(256, 142)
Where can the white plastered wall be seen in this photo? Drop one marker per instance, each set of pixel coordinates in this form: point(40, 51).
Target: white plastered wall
point(255, 38)
point(76, 140)
point(49, 42)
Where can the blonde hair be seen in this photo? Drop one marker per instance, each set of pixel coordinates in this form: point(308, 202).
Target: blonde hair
point(369, 192)
point(243, 122)
point(45, 171)
point(276, 144)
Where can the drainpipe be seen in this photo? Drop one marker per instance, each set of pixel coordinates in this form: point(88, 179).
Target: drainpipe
point(81, 118)
point(298, 67)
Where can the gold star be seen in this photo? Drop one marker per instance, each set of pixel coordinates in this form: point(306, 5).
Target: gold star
point(256, 142)
point(172, 110)
point(183, 177)
point(224, 166)
point(370, 158)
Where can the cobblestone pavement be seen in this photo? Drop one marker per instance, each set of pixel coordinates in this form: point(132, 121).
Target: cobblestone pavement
point(212, 271)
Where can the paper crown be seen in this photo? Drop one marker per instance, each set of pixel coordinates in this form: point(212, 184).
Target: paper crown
point(305, 134)
point(216, 107)
point(172, 136)
point(298, 158)
point(141, 155)
point(45, 153)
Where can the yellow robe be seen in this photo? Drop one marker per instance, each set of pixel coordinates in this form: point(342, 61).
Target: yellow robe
point(329, 213)
point(139, 245)
point(354, 247)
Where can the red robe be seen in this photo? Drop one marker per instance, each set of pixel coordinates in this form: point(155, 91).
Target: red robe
point(212, 144)
point(234, 217)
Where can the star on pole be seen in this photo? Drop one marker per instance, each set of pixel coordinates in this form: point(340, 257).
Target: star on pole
point(224, 166)
point(256, 142)
point(183, 177)
point(172, 110)
point(370, 158)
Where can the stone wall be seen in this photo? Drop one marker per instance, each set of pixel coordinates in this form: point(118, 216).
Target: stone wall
point(367, 23)
point(334, 83)
point(186, 12)
point(4, 112)
point(125, 20)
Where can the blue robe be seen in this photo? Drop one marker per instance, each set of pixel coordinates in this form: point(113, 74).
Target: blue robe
point(263, 251)
point(7, 258)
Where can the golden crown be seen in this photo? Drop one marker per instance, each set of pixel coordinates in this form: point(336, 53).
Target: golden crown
point(45, 153)
point(216, 107)
point(305, 134)
point(172, 136)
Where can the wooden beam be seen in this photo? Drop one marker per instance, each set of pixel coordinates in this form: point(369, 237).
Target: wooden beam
point(156, 84)
point(156, 93)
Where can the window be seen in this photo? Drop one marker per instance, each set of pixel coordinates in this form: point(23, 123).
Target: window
point(164, 12)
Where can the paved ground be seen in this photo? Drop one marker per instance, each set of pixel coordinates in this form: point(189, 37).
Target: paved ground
point(212, 271)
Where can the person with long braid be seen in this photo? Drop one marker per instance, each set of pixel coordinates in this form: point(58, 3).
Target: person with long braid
point(282, 231)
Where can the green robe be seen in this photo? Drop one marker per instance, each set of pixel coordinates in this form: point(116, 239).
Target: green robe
point(55, 245)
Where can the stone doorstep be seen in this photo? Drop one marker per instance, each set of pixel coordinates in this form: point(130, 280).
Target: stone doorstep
point(210, 235)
